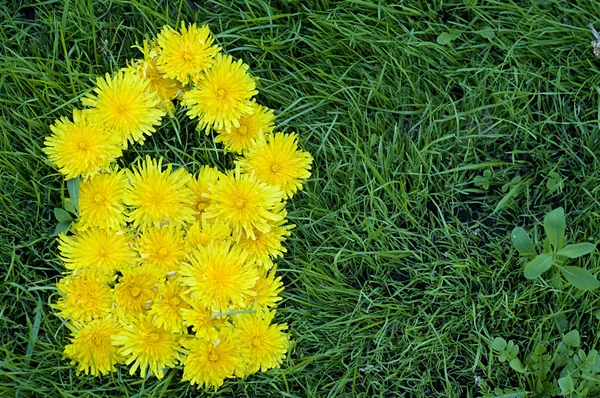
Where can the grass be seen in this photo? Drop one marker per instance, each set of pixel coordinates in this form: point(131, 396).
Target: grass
point(400, 272)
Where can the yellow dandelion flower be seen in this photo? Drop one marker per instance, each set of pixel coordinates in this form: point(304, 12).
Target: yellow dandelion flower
point(210, 363)
point(126, 105)
point(91, 348)
point(219, 276)
point(222, 96)
point(267, 290)
point(99, 249)
point(245, 203)
point(85, 296)
point(82, 146)
point(200, 186)
point(276, 160)
point(252, 127)
point(148, 347)
point(168, 305)
point(203, 233)
point(202, 320)
point(159, 197)
point(162, 248)
point(136, 289)
point(187, 54)
point(101, 201)
point(164, 88)
point(267, 342)
point(267, 245)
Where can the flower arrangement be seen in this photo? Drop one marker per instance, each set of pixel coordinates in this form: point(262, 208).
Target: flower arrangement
point(165, 268)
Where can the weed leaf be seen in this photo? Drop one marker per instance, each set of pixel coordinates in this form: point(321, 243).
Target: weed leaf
point(577, 250)
point(579, 277)
point(73, 188)
point(538, 266)
point(554, 225)
point(522, 242)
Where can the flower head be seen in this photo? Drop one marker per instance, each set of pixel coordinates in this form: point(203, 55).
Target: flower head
point(148, 346)
point(267, 290)
point(203, 233)
point(222, 96)
point(159, 197)
point(252, 127)
point(91, 348)
point(82, 146)
point(245, 203)
point(208, 363)
point(85, 295)
point(167, 306)
point(202, 320)
point(187, 54)
point(276, 160)
point(267, 245)
point(101, 201)
point(98, 249)
point(136, 289)
point(219, 276)
point(267, 342)
point(164, 88)
point(162, 248)
point(126, 105)
point(200, 187)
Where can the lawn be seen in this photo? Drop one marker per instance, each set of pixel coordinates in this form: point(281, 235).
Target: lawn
point(436, 128)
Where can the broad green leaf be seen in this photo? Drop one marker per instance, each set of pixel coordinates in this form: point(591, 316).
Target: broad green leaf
point(577, 250)
point(61, 227)
point(522, 242)
point(538, 266)
point(62, 215)
point(554, 225)
point(499, 344)
point(572, 338)
point(448, 37)
point(73, 188)
point(69, 206)
point(517, 365)
point(579, 277)
point(566, 385)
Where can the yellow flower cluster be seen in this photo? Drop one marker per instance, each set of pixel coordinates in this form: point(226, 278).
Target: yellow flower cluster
point(166, 268)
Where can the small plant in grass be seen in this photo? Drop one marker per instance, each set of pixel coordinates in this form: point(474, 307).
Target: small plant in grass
point(567, 371)
point(555, 252)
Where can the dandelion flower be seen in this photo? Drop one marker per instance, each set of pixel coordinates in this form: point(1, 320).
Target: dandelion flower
point(245, 203)
point(276, 160)
point(187, 54)
point(126, 105)
point(219, 276)
point(148, 347)
point(208, 363)
point(267, 342)
point(203, 233)
point(159, 197)
point(91, 348)
point(136, 289)
point(267, 290)
point(252, 127)
point(267, 245)
point(82, 146)
point(168, 305)
point(221, 98)
point(202, 321)
point(100, 249)
point(164, 88)
point(200, 187)
point(101, 201)
point(162, 248)
point(85, 296)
